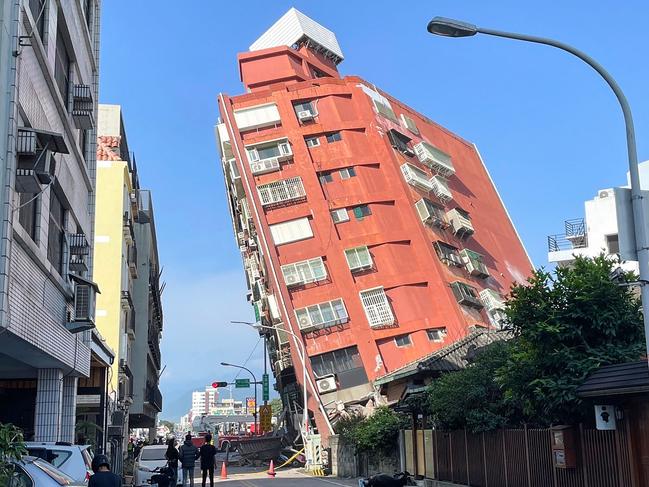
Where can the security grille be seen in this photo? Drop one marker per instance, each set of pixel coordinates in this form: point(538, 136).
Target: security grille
point(377, 308)
point(304, 272)
point(439, 185)
point(491, 299)
point(281, 191)
point(416, 177)
point(321, 315)
point(437, 160)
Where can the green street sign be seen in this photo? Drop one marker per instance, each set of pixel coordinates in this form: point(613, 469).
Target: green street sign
point(242, 383)
point(264, 387)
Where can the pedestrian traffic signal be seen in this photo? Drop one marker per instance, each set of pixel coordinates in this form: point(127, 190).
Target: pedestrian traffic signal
point(219, 384)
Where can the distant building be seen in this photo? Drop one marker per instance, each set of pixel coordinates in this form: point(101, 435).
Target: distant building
point(607, 228)
point(367, 229)
point(227, 407)
point(204, 401)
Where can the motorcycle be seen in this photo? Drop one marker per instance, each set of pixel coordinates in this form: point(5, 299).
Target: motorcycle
point(385, 480)
point(162, 477)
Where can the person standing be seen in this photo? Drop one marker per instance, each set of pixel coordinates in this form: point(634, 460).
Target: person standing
point(207, 453)
point(172, 457)
point(188, 454)
point(102, 476)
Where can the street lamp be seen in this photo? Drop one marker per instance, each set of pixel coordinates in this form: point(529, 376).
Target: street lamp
point(454, 28)
point(258, 326)
point(254, 413)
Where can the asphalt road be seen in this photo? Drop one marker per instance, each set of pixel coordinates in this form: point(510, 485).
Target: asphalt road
point(256, 477)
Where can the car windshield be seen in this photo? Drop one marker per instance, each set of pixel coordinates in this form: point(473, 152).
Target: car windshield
point(153, 454)
point(53, 472)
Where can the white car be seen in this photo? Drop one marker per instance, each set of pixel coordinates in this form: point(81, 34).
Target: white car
point(74, 460)
point(149, 458)
point(36, 472)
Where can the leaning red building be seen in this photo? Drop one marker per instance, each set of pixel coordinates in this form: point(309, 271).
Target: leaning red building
point(369, 231)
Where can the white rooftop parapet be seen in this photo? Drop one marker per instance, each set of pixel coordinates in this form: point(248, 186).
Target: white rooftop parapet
point(295, 27)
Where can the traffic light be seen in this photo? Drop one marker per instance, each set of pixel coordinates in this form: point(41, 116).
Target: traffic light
point(219, 384)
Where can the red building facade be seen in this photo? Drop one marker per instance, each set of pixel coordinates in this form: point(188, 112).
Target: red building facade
point(369, 231)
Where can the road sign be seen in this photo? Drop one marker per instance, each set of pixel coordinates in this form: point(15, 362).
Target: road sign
point(251, 406)
point(265, 387)
point(241, 383)
point(265, 418)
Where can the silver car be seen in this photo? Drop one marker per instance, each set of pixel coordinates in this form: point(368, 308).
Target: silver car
point(74, 460)
point(36, 472)
point(150, 458)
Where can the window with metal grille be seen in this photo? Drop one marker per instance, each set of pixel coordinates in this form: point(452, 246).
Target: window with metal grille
point(377, 308)
point(280, 191)
point(448, 254)
point(403, 341)
point(334, 137)
point(436, 334)
point(339, 215)
point(362, 211)
point(348, 172)
point(465, 294)
point(321, 315)
point(358, 258)
point(304, 272)
point(62, 67)
point(55, 232)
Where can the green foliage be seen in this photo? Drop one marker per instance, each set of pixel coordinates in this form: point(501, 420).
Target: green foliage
point(566, 325)
point(377, 433)
point(276, 406)
point(12, 448)
point(168, 424)
point(471, 398)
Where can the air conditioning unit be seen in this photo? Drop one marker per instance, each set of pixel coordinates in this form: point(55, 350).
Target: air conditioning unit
point(84, 300)
point(292, 280)
point(304, 322)
point(252, 243)
point(241, 236)
point(305, 115)
point(326, 384)
point(422, 211)
point(603, 194)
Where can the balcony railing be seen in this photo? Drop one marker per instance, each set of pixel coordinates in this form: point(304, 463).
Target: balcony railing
point(129, 233)
point(154, 396)
point(440, 189)
point(575, 237)
point(416, 177)
point(154, 346)
point(281, 191)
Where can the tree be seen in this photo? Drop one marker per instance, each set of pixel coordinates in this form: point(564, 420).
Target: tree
point(168, 424)
point(565, 326)
point(471, 398)
point(12, 448)
point(376, 433)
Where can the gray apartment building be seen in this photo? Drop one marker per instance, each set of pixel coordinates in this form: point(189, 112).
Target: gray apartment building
point(48, 108)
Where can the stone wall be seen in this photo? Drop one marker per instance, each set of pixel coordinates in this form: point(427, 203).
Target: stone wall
point(346, 462)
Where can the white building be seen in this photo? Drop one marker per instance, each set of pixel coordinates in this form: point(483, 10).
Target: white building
point(204, 401)
point(607, 227)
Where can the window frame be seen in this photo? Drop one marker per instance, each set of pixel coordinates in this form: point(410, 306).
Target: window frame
point(440, 247)
point(333, 137)
point(347, 173)
point(28, 214)
point(356, 252)
point(63, 67)
point(403, 345)
point(326, 177)
point(440, 330)
point(285, 225)
point(56, 234)
point(298, 269)
point(332, 308)
point(309, 141)
point(361, 211)
point(336, 219)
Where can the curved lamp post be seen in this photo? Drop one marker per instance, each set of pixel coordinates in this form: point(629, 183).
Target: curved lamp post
point(254, 413)
point(258, 326)
point(445, 27)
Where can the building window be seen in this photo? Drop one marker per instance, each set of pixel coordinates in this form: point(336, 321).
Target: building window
point(358, 258)
point(28, 213)
point(383, 108)
point(304, 272)
point(258, 116)
point(334, 137)
point(56, 232)
point(348, 172)
point(326, 177)
point(312, 141)
point(339, 215)
point(305, 110)
point(400, 142)
point(431, 213)
point(281, 191)
point(448, 254)
point(291, 231)
point(362, 211)
point(409, 123)
point(613, 244)
point(37, 8)
point(466, 295)
point(344, 363)
point(436, 334)
point(62, 67)
point(322, 315)
point(377, 308)
point(87, 11)
point(403, 341)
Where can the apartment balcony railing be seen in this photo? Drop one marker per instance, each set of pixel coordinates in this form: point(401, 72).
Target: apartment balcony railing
point(265, 157)
point(283, 191)
point(575, 236)
point(154, 346)
point(440, 189)
point(83, 107)
point(416, 177)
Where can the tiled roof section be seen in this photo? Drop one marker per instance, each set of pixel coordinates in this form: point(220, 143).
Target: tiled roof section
point(448, 359)
point(613, 380)
point(108, 148)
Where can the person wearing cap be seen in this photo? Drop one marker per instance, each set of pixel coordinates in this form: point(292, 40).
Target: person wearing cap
point(103, 477)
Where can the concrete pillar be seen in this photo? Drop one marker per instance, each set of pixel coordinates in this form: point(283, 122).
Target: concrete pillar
point(49, 405)
point(69, 409)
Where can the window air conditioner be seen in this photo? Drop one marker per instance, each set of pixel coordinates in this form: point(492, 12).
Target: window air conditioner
point(305, 115)
point(326, 384)
point(304, 322)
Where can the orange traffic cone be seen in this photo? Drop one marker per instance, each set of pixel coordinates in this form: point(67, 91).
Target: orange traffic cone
point(271, 470)
point(224, 471)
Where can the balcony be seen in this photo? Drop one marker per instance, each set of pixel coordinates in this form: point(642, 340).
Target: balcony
point(127, 228)
point(153, 340)
point(266, 157)
point(131, 259)
point(281, 192)
point(440, 189)
point(154, 396)
point(127, 300)
point(563, 247)
point(437, 160)
point(416, 177)
point(83, 107)
point(79, 248)
point(474, 264)
point(460, 223)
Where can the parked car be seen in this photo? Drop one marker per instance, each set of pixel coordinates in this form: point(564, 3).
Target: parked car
point(36, 472)
point(150, 458)
point(74, 460)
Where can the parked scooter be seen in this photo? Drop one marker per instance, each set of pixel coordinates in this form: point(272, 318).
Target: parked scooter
point(385, 480)
point(162, 477)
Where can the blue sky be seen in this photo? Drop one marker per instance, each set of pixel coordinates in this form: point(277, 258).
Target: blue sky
point(547, 126)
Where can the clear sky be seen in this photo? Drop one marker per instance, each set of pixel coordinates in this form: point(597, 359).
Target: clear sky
point(548, 128)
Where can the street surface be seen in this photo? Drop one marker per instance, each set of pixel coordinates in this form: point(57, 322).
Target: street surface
point(257, 477)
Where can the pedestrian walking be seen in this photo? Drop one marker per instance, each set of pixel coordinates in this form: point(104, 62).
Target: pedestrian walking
point(172, 457)
point(207, 453)
point(102, 476)
point(188, 454)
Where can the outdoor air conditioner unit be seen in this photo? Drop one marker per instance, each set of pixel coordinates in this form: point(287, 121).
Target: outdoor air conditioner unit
point(305, 115)
point(84, 304)
point(603, 194)
point(326, 384)
point(292, 280)
point(304, 322)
